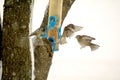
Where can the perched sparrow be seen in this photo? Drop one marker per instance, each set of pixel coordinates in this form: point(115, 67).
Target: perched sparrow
point(69, 30)
point(38, 32)
point(85, 40)
point(38, 39)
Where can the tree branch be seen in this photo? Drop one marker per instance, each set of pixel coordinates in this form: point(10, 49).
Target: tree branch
point(42, 53)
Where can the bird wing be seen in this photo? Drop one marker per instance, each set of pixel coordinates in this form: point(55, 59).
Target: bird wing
point(77, 28)
point(87, 37)
point(94, 47)
point(67, 32)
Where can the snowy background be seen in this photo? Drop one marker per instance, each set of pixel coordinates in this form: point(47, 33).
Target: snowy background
point(100, 19)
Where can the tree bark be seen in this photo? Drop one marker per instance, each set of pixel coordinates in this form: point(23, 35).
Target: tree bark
point(43, 54)
point(15, 41)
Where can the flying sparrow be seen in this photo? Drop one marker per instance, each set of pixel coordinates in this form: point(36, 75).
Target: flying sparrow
point(68, 31)
point(85, 40)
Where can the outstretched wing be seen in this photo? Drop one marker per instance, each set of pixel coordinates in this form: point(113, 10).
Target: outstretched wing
point(89, 38)
point(94, 47)
point(68, 32)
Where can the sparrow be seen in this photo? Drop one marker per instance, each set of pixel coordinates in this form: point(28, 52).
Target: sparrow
point(38, 40)
point(85, 40)
point(38, 32)
point(68, 32)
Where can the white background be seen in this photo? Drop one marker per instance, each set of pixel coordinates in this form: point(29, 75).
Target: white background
point(100, 19)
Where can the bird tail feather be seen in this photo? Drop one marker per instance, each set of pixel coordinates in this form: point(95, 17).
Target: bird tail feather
point(78, 28)
point(94, 47)
point(63, 40)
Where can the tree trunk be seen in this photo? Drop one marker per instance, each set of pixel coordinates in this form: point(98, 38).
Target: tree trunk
point(43, 54)
point(15, 41)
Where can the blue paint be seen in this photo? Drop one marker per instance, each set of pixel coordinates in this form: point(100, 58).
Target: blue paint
point(52, 40)
point(59, 32)
point(51, 25)
point(52, 22)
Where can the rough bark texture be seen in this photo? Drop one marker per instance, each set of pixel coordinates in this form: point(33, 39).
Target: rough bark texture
point(43, 54)
point(43, 57)
point(15, 40)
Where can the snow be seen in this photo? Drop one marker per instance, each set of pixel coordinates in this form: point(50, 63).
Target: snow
point(0, 70)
